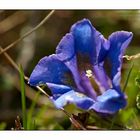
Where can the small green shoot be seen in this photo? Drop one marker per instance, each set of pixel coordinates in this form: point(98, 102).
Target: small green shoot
point(30, 123)
point(23, 98)
point(128, 76)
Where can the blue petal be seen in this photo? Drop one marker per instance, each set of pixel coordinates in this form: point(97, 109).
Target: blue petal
point(88, 87)
point(119, 41)
point(110, 102)
point(66, 52)
point(76, 98)
point(101, 77)
point(65, 49)
point(58, 90)
point(91, 48)
point(85, 42)
point(102, 48)
point(90, 45)
point(85, 48)
point(51, 70)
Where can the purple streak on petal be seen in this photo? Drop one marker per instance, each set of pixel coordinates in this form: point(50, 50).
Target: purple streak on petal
point(51, 70)
point(110, 102)
point(85, 82)
point(101, 77)
point(73, 97)
point(119, 41)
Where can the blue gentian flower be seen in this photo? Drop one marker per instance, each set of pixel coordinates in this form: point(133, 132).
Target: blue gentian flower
point(78, 66)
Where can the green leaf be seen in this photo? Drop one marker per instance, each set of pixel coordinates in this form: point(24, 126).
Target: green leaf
point(30, 123)
point(23, 98)
point(128, 76)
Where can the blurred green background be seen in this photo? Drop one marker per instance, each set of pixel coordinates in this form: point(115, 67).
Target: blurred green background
point(13, 24)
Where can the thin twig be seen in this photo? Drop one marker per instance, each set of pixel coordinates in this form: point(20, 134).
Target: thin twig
point(128, 76)
point(74, 122)
point(132, 56)
point(28, 33)
point(10, 59)
point(94, 128)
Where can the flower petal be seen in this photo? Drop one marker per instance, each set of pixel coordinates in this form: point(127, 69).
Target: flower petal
point(66, 52)
point(100, 75)
point(85, 48)
point(91, 48)
point(65, 49)
point(85, 82)
point(110, 102)
point(119, 41)
point(57, 90)
point(51, 70)
point(102, 48)
point(101, 78)
point(85, 43)
point(73, 97)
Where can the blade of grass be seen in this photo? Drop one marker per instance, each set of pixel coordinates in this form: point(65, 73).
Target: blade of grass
point(30, 112)
point(128, 76)
point(23, 98)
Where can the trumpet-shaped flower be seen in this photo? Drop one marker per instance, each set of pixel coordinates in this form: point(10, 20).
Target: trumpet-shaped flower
point(77, 67)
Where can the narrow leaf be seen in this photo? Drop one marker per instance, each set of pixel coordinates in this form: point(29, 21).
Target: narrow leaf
point(128, 76)
point(23, 98)
point(30, 112)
